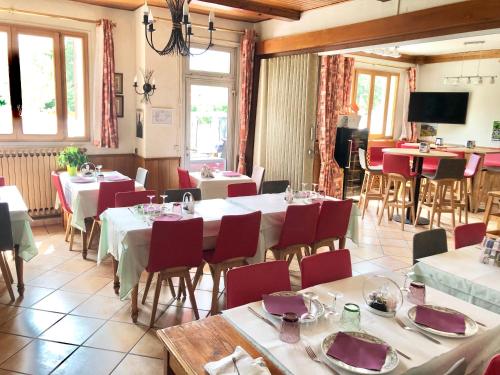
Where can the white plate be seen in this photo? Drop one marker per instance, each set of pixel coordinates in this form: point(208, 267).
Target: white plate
point(317, 307)
point(391, 360)
point(471, 327)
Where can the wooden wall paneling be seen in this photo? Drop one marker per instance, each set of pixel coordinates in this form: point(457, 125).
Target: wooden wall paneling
point(162, 172)
point(123, 163)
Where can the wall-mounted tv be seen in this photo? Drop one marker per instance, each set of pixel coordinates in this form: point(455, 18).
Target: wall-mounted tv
point(438, 107)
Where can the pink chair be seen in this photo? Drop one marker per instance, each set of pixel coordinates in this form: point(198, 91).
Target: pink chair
point(105, 200)
point(430, 165)
point(237, 240)
point(376, 156)
point(400, 178)
point(494, 366)
point(132, 198)
point(2, 181)
point(492, 160)
point(469, 234)
point(297, 233)
point(184, 179)
point(241, 190)
point(248, 283)
point(325, 267)
point(333, 222)
point(176, 247)
point(68, 213)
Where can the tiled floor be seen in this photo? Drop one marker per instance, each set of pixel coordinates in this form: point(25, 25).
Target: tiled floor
point(71, 322)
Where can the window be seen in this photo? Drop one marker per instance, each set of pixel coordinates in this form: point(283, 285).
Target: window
point(376, 94)
point(43, 85)
point(210, 91)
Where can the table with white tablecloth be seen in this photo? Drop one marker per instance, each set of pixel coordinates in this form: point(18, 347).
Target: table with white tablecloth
point(426, 357)
point(82, 197)
point(461, 274)
point(216, 187)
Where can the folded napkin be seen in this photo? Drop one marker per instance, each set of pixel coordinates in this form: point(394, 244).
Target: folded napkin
point(231, 174)
point(169, 217)
point(358, 353)
point(116, 178)
point(278, 305)
point(246, 365)
point(440, 320)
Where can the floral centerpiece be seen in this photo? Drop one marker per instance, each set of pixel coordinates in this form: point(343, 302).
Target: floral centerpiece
point(71, 158)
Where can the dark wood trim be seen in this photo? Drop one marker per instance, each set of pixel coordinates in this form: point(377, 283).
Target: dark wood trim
point(261, 9)
point(253, 116)
point(449, 57)
point(403, 59)
point(466, 16)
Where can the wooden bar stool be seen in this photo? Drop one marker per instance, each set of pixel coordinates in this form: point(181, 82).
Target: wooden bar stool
point(368, 192)
point(493, 199)
point(396, 168)
point(465, 196)
point(449, 174)
point(489, 175)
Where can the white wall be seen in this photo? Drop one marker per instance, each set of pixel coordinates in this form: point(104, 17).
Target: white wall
point(483, 106)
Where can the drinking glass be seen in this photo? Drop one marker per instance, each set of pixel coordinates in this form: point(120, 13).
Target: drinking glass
point(164, 204)
point(408, 278)
point(351, 317)
point(304, 189)
point(309, 317)
point(315, 190)
point(98, 171)
point(331, 310)
point(150, 207)
point(290, 328)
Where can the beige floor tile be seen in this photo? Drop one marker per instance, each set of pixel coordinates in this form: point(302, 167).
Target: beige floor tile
point(108, 290)
point(30, 322)
point(397, 251)
point(136, 365)
point(79, 362)
point(11, 344)
point(144, 317)
point(176, 315)
point(75, 265)
point(392, 263)
point(117, 336)
point(47, 261)
point(38, 357)
point(7, 312)
point(52, 279)
point(61, 301)
point(367, 252)
point(72, 329)
point(100, 307)
point(86, 284)
point(149, 346)
point(366, 240)
point(393, 242)
point(32, 294)
point(367, 267)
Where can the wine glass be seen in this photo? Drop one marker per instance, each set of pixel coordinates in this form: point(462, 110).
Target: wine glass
point(98, 169)
point(408, 278)
point(331, 310)
point(309, 317)
point(304, 189)
point(315, 190)
point(150, 207)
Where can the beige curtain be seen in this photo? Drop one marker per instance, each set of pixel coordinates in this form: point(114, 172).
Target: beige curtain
point(286, 118)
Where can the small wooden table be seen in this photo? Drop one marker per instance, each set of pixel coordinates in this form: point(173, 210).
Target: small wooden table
point(188, 347)
point(418, 163)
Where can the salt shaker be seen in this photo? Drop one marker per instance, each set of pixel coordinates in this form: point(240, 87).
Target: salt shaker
point(290, 328)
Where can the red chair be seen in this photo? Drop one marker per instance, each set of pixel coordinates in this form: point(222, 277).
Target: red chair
point(430, 165)
point(492, 160)
point(2, 181)
point(469, 234)
point(184, 179)
point(105, 200)
point(237, 240)
point(333, 222)
point(132, 198)
point(494, 366)
point(176, 247)
point(68, 213)
point(248, 283)
point(400, 178)
point(376, 156)
point(241, 190)
point(325, 267)
point(297, 232)
point(466, 197)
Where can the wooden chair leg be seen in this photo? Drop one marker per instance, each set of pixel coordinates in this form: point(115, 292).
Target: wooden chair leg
point(19, 271)
point(192, 298)
point(155, 301)
point(384, 204)
point(342, 241)
point(171, 286)
point(433, 208)
point(215, 290)
point(116, 280)
point(5, 272)
point(487, 212)
point(92, 234)
point(181, 290)
point(403, 206)
point(148, 285)
point(362, 195)
point(198, 274)
point(71, 237)
point(8, 268)
point(453, 208)
point(68, 226)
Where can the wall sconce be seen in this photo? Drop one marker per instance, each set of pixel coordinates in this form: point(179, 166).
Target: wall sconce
point(148, 88)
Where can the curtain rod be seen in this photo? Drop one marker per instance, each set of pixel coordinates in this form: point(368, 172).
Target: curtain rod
point(200, 26)
point(41, 14)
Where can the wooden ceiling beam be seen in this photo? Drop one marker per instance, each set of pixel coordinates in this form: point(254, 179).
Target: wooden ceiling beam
point(265, 10)
point(461, 56)
point(466, 16)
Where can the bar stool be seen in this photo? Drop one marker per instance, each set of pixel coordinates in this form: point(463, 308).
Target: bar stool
point(448, 174)
point(371, 175)
point(465, 195)
point(493, 199)
point(489, 175)
point(396, 168)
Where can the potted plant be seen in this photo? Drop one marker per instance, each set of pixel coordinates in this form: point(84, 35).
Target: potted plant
point(71, 158)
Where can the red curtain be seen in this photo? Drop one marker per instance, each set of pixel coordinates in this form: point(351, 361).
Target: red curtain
point(109, 129)
point(247, 55)
point(335, 87)
point(412, 81)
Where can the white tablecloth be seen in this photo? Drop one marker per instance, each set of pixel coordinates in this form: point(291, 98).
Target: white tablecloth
point(82, 197)
point(426, 357)
point(215, 187)
point(460, 274)
point(20, 221)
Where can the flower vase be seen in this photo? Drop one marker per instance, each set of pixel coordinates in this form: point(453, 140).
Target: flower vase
point(71, 170)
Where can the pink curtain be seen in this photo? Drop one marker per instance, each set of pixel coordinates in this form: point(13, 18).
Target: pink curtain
point(247, 55)
point(334, 98)
point(412, 83)
point(108, 132)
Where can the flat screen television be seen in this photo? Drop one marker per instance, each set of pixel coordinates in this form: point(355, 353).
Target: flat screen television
point(438, 107)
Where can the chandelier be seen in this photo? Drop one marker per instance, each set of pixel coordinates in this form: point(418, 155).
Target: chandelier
point(180, 37)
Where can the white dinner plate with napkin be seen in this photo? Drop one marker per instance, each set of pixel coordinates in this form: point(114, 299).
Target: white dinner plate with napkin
point(246, 365)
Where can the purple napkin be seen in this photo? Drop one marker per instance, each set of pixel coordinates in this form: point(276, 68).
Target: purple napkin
point(169, 217)
point(440, 320)
point(358, 353)
point(231, 174)
point(278, 305)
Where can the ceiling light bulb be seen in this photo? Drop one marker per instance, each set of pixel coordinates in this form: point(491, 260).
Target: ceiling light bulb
point(480, 81)
point(468, 80)
point(492, 80)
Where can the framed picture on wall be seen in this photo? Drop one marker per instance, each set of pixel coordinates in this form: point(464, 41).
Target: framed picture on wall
point(119, 106)
point(162, 116)
point(118, 83)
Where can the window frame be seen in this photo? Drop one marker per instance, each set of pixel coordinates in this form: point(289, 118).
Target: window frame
point(373, 74)
point(13, 30)
point(214, 75)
